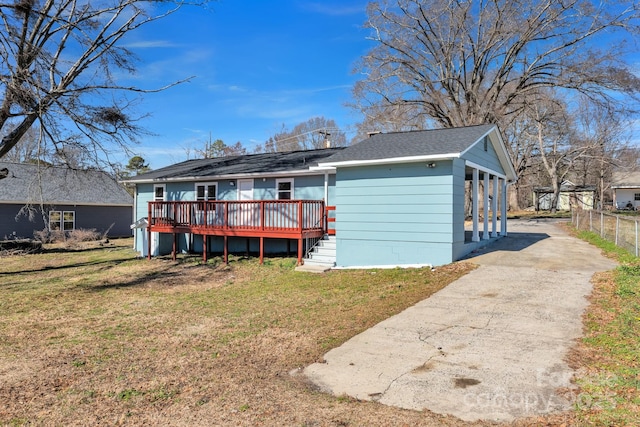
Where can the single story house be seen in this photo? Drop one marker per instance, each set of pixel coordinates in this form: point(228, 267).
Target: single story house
point(626, 190)
point(41, 197)
point(393, 199)
point(571, 195)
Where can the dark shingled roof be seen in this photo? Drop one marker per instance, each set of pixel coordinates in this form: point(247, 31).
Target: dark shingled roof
point(240, 165)
point(412, 144)
point(29, 183)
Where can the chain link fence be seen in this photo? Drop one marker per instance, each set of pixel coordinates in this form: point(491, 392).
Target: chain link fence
point(621, 229)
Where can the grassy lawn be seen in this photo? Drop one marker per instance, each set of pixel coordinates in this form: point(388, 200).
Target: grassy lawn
point(608, 358)
point(95, 336)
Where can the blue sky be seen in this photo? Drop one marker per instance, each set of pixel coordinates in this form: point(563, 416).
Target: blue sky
point(256, 65)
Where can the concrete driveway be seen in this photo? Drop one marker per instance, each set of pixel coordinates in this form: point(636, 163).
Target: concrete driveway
point(490, 346)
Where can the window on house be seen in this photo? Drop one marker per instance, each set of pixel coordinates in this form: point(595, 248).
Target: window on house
point(636, 196)
point(62, 220)
point(158, 193)
point(206, 191)
point(285, 189)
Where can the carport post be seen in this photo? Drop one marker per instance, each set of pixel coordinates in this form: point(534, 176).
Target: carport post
point(503, 209)
point(475, 236)
point(485, 207)
point(494, 208)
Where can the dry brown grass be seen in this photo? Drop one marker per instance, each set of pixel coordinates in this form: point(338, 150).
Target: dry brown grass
point(97, 337)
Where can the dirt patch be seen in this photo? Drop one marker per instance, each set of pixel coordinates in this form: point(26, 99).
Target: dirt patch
point(465, 382)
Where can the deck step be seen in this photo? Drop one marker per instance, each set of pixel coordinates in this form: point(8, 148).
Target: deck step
point(323, 254)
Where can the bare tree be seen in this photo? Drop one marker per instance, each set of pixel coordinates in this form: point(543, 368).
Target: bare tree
point(451, 63)
point(29, 149)
point(471, 62)
point(604, 132)
point(313, 134)
point(59, 62)
point(559, 137)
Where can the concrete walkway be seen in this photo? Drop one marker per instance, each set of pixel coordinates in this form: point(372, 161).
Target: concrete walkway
point(490, 346)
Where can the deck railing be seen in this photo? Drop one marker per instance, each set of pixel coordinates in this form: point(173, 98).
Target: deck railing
point(251, 215)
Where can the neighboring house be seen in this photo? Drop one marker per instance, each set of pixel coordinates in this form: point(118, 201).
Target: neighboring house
point(571, 195)
point(626, 190)
point(38, 197)
point(394, 199)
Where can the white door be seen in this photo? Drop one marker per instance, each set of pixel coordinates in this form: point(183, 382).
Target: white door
point(245, 189)
point(159, 195)
point(246, 214)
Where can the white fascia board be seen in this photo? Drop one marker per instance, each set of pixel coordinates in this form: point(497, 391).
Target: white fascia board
point(624, 187)
point(484, 169)
point(323, 168)
point(212, 178)
point(392, 160)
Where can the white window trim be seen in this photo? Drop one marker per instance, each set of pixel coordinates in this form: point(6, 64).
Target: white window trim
point(73, 227)
point(164, 192)
point(62, 221)
point(206, 188)
point(278, 181)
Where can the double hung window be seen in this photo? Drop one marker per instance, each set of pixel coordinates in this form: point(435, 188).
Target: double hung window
point(62, 220)
point(284, 188)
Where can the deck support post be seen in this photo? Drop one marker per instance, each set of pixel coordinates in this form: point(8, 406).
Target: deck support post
point(205, 248)
point(300, 251)
point(261, 249)
point(174, 246)
point(226, 250)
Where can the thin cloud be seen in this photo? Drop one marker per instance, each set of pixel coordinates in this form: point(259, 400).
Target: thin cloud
point(150, 44)
point(334, 9)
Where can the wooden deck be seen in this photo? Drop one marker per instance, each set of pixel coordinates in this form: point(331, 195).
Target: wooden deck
point(278, 219)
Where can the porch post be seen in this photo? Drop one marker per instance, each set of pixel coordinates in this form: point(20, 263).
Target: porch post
point(326, 188)
point(475, 236)
point(485, 208)
point(149, 222)
point(503, 209)
point(494, 208)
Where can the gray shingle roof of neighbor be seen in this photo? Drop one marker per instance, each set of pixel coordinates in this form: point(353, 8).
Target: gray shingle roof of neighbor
point(625, 179)
point(239, 165)
point(34, 184)
point(432, 142)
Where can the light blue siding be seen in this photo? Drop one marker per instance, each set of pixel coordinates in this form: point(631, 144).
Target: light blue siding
point(393, 253)
point(394, 214)
point(488, 159)
point(308, 187)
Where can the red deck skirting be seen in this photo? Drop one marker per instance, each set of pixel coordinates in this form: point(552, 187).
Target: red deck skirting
point(278, 219)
